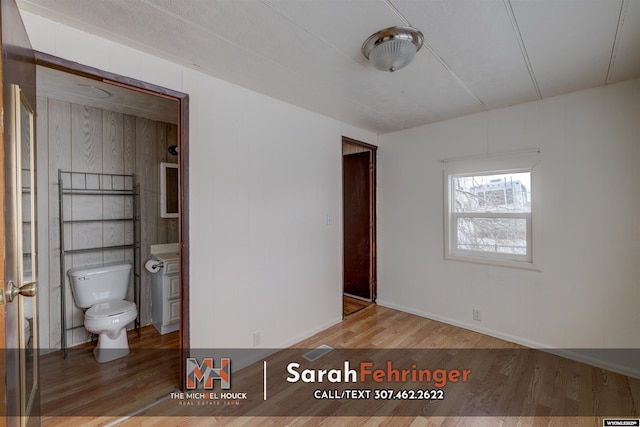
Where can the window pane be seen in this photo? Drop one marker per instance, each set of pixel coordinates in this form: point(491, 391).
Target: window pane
point(494, 235)
point(496, 193)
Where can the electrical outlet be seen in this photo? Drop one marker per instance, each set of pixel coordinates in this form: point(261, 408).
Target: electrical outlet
point(257, 339)
point(477, 315)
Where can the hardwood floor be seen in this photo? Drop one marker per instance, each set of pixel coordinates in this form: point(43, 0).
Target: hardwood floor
point(503, 375)
point(74, 390)
point(352, 305)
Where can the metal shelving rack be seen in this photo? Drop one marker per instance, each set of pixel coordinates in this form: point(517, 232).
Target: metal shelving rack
point(107, 186)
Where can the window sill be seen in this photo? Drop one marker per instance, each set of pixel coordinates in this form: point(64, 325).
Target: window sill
point(523, 265)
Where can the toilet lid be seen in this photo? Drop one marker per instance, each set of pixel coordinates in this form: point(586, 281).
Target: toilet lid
point(109, 308)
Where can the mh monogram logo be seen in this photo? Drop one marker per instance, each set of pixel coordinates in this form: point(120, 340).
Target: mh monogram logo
point(206, 373)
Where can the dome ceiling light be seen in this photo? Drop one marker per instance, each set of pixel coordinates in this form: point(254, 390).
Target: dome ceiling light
point(392, 48)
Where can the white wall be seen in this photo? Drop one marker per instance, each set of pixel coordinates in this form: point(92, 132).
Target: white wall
point(263, 175)
point(587, 294)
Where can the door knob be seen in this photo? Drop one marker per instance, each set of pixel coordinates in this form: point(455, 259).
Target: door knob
point(27, 290)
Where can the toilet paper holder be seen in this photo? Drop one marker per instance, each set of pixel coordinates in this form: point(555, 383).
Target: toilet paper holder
point(153, 265)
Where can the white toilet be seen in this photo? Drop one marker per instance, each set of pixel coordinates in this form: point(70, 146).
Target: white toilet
point(103, 289)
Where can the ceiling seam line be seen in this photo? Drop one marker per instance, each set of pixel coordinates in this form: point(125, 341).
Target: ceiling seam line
point(441, 60)
point(312, 34)
point(523, 49)
point(460, 82)
point(108, 35)
point(206, 31)
point(616, 40)
point(231, 42)
point(395, 10)
point(282, 98)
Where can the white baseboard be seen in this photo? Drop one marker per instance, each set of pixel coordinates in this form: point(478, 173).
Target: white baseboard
point(311, 332)
point(573, 354)
point(257, 354)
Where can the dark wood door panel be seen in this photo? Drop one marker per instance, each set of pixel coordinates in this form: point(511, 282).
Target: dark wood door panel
point(357, 223)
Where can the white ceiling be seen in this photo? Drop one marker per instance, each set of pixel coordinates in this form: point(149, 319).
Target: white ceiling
point(478, 54)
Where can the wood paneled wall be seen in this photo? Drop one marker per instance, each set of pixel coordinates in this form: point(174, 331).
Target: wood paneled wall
point(348, 148)
point(78, 138)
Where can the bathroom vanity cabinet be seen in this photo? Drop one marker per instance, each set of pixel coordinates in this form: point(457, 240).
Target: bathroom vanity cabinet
point(165, 292)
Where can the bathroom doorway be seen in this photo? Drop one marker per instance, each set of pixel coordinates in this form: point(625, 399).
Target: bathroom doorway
point(93, 121)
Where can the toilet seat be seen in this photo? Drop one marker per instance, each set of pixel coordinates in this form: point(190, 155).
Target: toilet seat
point(109, 308)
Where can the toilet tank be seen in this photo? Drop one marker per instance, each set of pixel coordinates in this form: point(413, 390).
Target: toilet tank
point(95, 284)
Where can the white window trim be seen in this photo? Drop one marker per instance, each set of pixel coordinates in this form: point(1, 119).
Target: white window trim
point(500, 164)
point(492, 255)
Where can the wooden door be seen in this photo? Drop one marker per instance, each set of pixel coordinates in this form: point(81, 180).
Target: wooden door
point(18, 247)
point(357, 205)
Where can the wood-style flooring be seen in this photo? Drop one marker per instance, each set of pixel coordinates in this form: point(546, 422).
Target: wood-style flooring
point(75, 389)
point(548, 383)
point(352, 305)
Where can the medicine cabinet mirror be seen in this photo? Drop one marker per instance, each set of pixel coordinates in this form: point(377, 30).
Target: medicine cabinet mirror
point(168, 190)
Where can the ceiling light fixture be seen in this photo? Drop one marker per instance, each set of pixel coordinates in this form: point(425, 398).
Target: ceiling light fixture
point(392, 48)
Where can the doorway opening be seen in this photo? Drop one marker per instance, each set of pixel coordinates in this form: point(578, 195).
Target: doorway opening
point(92, 121)
point(359, 213)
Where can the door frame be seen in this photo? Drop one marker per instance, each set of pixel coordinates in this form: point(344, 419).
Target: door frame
point(373, 271)
point(70, 67)
point(17, 67)
point(3, 344)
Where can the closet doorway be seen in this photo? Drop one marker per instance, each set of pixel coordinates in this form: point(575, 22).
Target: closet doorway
point(359, 213)
point(94, 121)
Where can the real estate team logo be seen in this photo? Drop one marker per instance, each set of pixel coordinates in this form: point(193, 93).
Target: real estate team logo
point(205, 373)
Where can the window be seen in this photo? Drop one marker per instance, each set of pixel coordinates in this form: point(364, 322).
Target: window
point(490, 214)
